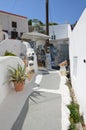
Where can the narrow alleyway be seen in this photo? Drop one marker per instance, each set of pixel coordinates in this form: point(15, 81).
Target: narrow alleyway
point(45, 104)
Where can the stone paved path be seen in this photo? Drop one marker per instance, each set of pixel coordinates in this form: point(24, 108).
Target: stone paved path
point(45, 105)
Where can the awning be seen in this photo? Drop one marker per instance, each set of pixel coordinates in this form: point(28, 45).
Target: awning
point(34, 36)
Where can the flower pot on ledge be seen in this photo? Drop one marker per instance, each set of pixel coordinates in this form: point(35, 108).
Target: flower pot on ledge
point(18, 76)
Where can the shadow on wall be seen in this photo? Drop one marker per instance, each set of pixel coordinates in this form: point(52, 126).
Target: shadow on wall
point(4, 63)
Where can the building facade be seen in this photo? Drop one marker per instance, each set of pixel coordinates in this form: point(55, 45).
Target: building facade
point(77, 49)
point(59, 43)
point(13, 24)
point(1, 34)
point(59, 38)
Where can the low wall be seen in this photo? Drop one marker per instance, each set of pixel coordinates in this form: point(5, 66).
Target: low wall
point(20, 49)
point(4, 63)
point(13, 105)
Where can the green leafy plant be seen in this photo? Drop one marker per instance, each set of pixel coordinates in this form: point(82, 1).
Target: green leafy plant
point(72, 127)
point(8, 53)
point(17, 74)
point(74, 112)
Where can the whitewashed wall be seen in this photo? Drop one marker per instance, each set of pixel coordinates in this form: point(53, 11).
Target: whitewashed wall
point(13, 46)
point(17, 47)
point(1, 33)
point(5, 87)
point(62, 31)
point(78, 61)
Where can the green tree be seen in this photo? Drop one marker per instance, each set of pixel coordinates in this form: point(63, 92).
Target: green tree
point(52, 23)
point(30, 22)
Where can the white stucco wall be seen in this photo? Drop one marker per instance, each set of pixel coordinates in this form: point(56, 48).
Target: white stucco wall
point(16, 47)
point(62, 31)
point(30, 52)
point(1, 34)
point(13, 46)
point(19, 47)
point(5, 87)
point(77, 64)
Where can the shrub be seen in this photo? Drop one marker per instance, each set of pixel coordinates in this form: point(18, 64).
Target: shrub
point(74, 112)
point(72, 127)
point(8, 54)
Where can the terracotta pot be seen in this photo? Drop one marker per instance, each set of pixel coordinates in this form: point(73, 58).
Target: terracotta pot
point(19, 86)
point(25, 61)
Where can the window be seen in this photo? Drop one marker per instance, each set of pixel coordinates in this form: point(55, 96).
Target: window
point(53, 37)
point(14, 24)
point(75, 59)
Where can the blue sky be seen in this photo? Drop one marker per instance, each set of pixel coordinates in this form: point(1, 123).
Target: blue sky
point(60, 11)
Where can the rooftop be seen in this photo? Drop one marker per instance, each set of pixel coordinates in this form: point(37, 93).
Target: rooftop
point(12, 14)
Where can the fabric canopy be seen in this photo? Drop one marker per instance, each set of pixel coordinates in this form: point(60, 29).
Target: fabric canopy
point(34, 36)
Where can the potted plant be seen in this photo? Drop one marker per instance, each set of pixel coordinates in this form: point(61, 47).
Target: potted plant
point(18, 76)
